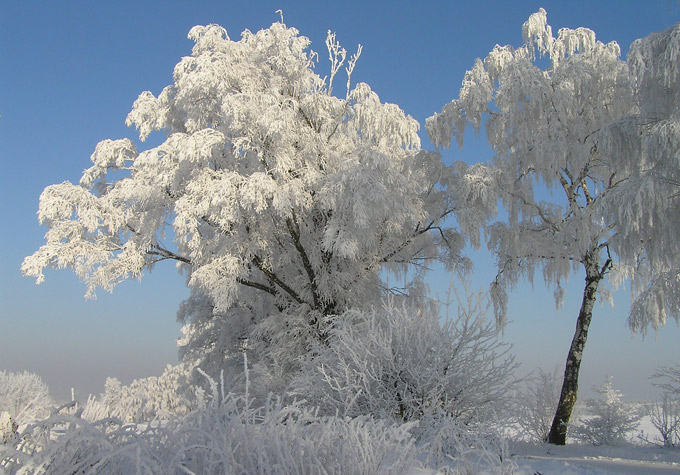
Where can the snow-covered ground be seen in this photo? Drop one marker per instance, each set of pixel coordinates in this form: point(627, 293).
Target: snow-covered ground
point(578, 459)
point(638, 456)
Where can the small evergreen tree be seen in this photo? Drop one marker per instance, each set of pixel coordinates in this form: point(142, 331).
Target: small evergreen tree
point(610, 419)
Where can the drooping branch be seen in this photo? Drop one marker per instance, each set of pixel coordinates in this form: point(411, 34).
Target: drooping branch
point(538, 209)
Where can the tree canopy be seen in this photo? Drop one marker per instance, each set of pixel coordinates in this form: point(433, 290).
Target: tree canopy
point(543, 106)
point(274, 196)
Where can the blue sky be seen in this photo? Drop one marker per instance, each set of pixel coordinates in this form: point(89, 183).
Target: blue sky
point(70, 71)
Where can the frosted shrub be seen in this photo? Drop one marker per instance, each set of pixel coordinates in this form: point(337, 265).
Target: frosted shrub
point(292, 439)
point(66, 443)
point(24, 396)
point(536, 404)
point(401, 362)
point(668, 379)
point(665, 417)
point(463, 448)
point(8, 428)
point(665, 414)
point(228, 436)
point(95, 409)
point(149, 398)
point(609, 421)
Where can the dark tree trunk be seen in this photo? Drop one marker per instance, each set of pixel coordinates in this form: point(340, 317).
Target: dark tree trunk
point(594, 274)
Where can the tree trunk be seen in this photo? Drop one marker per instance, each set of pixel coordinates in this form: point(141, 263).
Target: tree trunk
point(558, 431)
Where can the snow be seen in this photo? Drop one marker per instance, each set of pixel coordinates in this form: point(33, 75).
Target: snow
point(638, 455)
point(580, 459)
point(546, 459)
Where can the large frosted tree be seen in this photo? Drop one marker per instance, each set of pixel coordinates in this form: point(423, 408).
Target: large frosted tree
point(280, 202)
point(546, 107)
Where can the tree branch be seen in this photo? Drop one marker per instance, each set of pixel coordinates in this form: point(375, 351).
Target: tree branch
point(294, 230)
point(416, 232)
point(256, 285)
point(274, 278)
point(165, 254)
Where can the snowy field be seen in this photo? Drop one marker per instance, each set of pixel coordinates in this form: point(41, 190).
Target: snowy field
point(635, 457)
point(578, 459)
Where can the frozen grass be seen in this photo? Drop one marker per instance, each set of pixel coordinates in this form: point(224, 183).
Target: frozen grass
point(229, 436)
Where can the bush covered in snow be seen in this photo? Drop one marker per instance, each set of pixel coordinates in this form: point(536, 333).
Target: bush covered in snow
point(146, 399)
point(401, 362)
point(455, 447)
point(665, 413)
point(393, 389)
point(227, 438)
point(609, 420)
point(24, 396)
point(536, 403)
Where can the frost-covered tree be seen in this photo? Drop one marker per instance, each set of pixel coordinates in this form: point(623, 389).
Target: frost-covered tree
point(24, 396)
point(668, 379)
point(152, 398)
point(645, 148)
point(664, 415)
point(545, 107)
point(280, 202)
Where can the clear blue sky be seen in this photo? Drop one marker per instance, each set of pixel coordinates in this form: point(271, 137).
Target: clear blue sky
point(70, 71)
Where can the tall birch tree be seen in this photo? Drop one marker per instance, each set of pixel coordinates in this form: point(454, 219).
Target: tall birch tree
point(546, 107)
point(279, 201)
